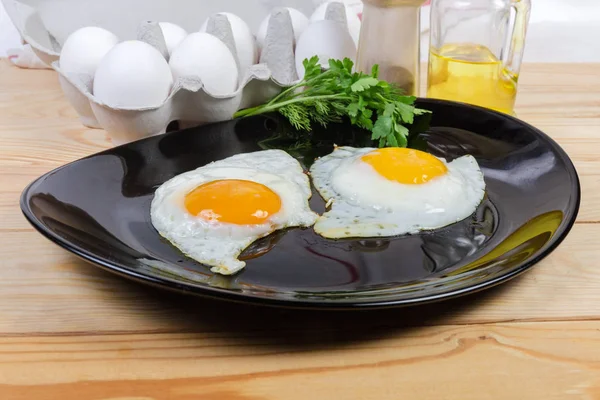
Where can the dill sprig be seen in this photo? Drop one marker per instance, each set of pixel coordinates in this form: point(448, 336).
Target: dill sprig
point(327, 96)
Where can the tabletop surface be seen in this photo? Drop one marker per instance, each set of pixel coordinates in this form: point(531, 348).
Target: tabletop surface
point(69, 330)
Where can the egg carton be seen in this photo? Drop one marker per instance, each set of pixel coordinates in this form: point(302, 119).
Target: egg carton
point(189, 102)
point(46, 24)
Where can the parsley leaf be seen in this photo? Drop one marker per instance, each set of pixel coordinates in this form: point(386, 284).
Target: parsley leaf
point(382, 128)
point(363, 84)
point(389, 110)
point(353, 109)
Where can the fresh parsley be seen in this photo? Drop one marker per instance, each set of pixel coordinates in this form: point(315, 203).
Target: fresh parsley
point(328, 96)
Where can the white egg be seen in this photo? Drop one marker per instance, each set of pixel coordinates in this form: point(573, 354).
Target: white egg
point(352, 18)
point(245, 44)
point(173, 35)
point(326, 39)
point(233, 203)
point(133, 75)
point(203, 56)
point(299, 24)
point(389, 192)
point(84, 49)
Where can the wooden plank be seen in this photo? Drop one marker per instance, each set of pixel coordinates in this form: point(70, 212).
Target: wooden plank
point(546, 361)
point(17, 80)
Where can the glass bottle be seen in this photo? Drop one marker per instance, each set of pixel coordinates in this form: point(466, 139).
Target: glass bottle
point(476, 48)
point(390, 37)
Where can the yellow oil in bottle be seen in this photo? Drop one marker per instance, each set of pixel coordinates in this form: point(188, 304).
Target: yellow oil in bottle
point(472, 74)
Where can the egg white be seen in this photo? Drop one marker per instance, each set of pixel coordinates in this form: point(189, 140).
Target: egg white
point(245, 43)
point(218, 244)
point(205, 57)
point(84, 49)
point(133, 74)
point(366, 204)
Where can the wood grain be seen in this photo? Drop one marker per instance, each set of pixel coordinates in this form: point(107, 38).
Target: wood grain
point(518, 361)
point(71, 331)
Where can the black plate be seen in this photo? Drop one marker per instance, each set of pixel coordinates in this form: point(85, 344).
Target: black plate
point(98, 209)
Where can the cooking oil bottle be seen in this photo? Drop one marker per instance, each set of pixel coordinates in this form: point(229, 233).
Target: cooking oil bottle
point(471, 73)
point(476, 48)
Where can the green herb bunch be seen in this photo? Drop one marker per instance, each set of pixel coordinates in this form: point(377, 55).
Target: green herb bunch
point(326, 96)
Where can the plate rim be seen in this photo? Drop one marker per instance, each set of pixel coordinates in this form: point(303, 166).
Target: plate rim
point(321, 304)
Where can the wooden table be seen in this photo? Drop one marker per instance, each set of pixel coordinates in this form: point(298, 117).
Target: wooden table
point(71, 331)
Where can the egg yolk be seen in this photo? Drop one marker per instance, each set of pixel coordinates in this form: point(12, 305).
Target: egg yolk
point(406, 166)
point(233, 201)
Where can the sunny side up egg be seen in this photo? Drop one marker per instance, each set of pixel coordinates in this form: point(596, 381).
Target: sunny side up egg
point(215, 212)
point(393, 191)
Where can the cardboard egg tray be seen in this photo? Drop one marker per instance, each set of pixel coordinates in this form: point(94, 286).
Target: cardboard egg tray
point(189, 103)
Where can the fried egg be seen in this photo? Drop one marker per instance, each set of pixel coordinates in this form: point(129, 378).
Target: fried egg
point(393, 191)
point(215, 212)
